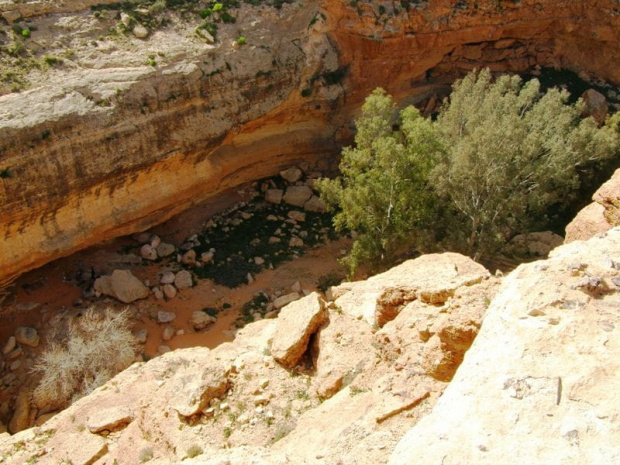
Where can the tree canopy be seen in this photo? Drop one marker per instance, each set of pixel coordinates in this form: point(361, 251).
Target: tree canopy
point(500, 156)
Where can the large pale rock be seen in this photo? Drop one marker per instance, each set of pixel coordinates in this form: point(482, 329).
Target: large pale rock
point(193, 392)
point(608, 195)
point(200, 320)
point(296, 323)
point(599, 216)
point(285, 300)
point(297, 195)
point(183, 280)
point(122, 285)
point(539, 383)
point(430, 278)
point(589, 222)
point(148, 252)
point(109, 419)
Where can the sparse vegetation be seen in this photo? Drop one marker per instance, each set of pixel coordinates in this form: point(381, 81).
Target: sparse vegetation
point(328, 280)
point(98, 344)
point(194, 451)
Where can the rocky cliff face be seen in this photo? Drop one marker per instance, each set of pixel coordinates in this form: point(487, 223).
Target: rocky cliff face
point(127, 132)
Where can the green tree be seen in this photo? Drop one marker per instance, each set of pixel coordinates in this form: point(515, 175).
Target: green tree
point(383, 194)
point(500, 156)
point(515, 155)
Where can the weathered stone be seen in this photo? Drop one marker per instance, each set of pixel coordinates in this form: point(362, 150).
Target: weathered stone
point(27, 336)
point(291, 175)
point(295, 242)
point(274, 196)
point(168, 333)
point(295, 324)
point(167, 277)
point(200, 320)
point(158, 293)
point(122, 285)
point(140, 31)
point(297, 195)
point(169, 291)
point(285, 300)
point(595, 105)
point(165, 317)
point(148, 252)
point(537, 244)
point(589, 222)
point(189, 257)
point(297, 215)
point(194, 392)
point(206, 257)
point(183, 280)
point(109, 419)
point(165, 250)
point(315, 204)
point(9, 345)
point(21, 414)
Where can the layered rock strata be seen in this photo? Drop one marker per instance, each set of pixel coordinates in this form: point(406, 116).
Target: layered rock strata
point(108, 144)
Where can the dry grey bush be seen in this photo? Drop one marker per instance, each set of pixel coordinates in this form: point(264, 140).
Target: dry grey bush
point(99, 344)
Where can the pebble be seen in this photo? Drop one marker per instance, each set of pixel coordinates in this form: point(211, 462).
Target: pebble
point(165, 317)
point(9, 346)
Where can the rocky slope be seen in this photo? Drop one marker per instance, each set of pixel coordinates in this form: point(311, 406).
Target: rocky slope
point(374, 375)
point(261, 399)
point(112, 134)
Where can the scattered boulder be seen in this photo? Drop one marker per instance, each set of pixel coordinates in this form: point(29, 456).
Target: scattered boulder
point(140, 31)
point(200, 320)
point(274, 196)
point(285, 300)
point(189, 258)
point(295, 242)
point(167, 277)
point(123, 286)
point(166, 317)
point(291, 175)
point(315, 204)
point(206, 257)
point(169, 291)
point(296, 323)
point(158, 293)
point(595, 105)
point(165, 250)
point(148, 252)
point(168, 333)
point(296, 215)
point(589, 222)
point(297, 195)
point(183, 280)
point(27, 336)
point(155, 241)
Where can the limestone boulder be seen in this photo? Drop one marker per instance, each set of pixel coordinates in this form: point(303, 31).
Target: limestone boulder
point(599, 216)
point(536, 244)
point(274, 196)
point(522, 395)
point(285, 300)
point(123, 286)
point(200, 320)
point(148, 252)
point(296, 323)
point(315, 204)
point(291, 175)
point(183, 280)
point(432, 279)
point(297, 195)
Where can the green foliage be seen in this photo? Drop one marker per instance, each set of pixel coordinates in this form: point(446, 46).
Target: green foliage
point(501, 159)
point(515, 155)
point(328, 280)
point(383, 193)
point(241, 40)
